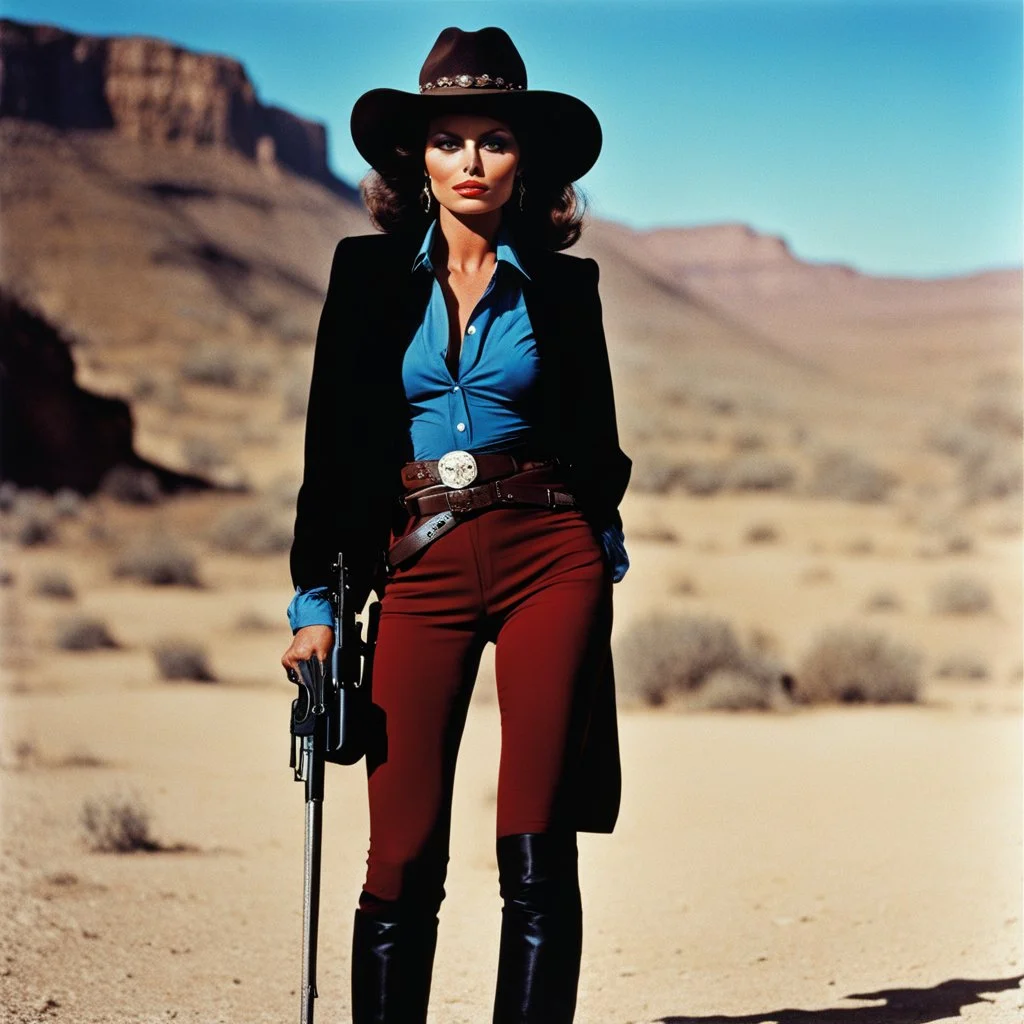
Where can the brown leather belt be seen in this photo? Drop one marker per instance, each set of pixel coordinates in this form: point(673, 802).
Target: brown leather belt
point(444, 505)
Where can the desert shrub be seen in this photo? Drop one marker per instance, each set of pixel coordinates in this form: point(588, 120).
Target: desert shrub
point(36, 526)
point(655, 474)
point(256, 530)
point(158, 561)
point(667, 653)
point(704, 478)
point(883, 601)
point(962, 665)
point(685, 585)
point(183, 659)
point(761, 533)
point(131, 485)
point(222, 365)
point(817, 574)
point(253, 622)
point(67, 504)
point(6, 578)
point(758, 472)
point(730, 690)
point(83, 633)
point(295, 394)
point(8, 496)
point(860, 546)
point(959, 440)
point(992, 475)
point(118, 824)
point(201, 454)
point(844, 475)
point(54, 583)
point(656, 532)
point(1000, 413)
point(720, 402)
point(749, 439)
point(213, 363)
point(961, 595)
point(848, 665)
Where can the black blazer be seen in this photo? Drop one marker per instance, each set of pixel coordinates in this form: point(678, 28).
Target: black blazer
point(357, 422)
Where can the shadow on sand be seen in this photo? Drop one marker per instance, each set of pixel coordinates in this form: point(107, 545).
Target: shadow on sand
point(901, 1006)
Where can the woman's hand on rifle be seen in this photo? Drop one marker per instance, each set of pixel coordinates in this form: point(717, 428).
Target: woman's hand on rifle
point(306, 642)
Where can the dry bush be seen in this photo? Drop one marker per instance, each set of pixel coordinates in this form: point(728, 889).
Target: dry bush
point(54, 583)
point(884, 601)
point(685, 585)
point(36, 526)
point(749, 439)
point(67, 504)
point(295, 394)
point(849, 665)
point(254, 530)
point(8, 496)
point(183, 659)
point(131, 485)
point(253, 622)
point(962, 665)
point(222, 365)
point(844, 475)
point(201, 454)
point(657, 532)
point(118, 824)
point(665, 654)
point(761, 533)
point(655, 474)
point(729, 690)
point(961, 595)
point(159, 561)
point(704, 478)
point(860, 546)
point(995, 474)
point(758, 472)
point(1000, 413)
point(83, 633)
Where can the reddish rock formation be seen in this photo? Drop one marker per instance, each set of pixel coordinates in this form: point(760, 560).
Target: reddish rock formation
point(153, 91)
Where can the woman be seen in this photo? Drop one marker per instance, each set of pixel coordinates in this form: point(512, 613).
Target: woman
point(462, 451)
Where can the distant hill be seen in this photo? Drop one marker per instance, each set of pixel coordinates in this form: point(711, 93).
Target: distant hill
point(150, 204)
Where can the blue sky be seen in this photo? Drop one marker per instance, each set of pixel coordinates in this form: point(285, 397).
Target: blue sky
point(886, 134)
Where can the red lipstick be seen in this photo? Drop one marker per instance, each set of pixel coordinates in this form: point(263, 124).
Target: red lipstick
point(470, 188)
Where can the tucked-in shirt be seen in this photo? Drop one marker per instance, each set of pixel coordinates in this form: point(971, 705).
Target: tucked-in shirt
point(490, 404)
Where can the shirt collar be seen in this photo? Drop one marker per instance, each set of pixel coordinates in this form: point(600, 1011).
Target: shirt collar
point(505, 250)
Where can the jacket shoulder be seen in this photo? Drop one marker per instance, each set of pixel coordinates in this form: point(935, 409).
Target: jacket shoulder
point(550, 263)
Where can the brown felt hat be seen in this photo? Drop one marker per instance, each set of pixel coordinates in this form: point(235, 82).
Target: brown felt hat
point(477, 72)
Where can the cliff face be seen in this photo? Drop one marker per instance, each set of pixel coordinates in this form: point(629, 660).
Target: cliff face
point(152, 91)
point(53, 433)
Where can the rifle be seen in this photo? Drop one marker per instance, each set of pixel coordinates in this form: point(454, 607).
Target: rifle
point(329, 722)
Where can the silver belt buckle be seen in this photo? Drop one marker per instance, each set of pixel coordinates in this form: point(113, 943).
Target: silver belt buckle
point(457, 468)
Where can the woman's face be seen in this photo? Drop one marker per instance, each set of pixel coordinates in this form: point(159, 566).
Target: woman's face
point(470, 150)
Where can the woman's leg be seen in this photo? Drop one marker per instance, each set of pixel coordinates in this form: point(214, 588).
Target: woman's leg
point(427, 655)
point(547, 646)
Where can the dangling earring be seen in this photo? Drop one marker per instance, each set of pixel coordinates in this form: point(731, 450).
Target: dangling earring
point(426, 194)
point(522, 191)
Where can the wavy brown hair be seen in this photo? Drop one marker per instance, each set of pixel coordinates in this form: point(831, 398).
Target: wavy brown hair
point(552, 214)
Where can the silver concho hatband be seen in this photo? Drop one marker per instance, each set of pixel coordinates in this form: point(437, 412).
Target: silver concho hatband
point(457, 468)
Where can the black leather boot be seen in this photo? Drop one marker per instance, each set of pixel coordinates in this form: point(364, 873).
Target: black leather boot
point(392, 964)
point(541, 929)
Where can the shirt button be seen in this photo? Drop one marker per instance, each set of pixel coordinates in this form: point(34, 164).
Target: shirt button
point(471, 329)
point(460, 426)
point(456, 388)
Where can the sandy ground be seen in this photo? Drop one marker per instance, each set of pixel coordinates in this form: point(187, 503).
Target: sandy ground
point(791, 868)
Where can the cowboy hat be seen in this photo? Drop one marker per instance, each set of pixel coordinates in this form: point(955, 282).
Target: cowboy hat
point(477, 71)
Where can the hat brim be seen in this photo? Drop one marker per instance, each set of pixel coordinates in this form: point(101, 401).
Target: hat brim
point(560, 126)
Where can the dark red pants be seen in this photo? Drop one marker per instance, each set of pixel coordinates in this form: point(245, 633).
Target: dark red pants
point(535, 582)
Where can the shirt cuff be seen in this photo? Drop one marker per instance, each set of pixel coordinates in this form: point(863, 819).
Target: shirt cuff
point(310, 608)
point(614, 543)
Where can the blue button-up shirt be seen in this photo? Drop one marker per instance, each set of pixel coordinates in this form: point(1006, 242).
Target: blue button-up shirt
point(489, 405)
